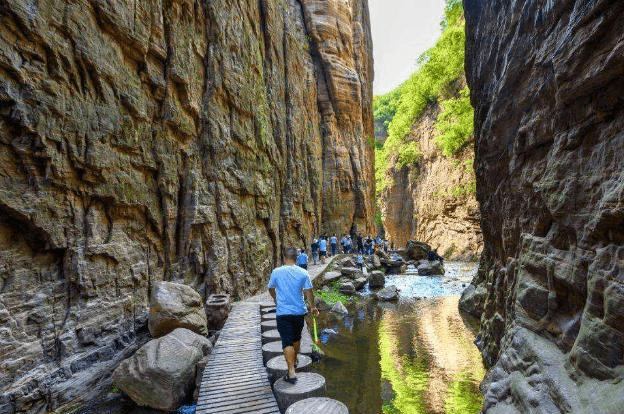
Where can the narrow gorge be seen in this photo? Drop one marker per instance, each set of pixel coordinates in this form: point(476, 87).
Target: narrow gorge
point(175, 140)
point(193, 141)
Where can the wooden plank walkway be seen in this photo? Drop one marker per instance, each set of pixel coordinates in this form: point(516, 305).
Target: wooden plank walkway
point(235, 380)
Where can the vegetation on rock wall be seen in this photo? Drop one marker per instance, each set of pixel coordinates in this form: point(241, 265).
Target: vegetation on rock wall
point(435, 81)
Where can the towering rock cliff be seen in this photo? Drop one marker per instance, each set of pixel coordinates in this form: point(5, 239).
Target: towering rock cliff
point(163, 139)
point(547, 81)
point(433, 199)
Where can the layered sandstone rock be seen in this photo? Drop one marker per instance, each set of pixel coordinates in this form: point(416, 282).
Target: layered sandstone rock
point(547, 81)
point(181, 140)
point(433, 201)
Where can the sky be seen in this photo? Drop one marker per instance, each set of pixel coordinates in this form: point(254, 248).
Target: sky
point(402, 31)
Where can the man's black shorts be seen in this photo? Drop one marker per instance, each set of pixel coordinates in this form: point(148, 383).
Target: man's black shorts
point(289, 328)
point(323, 253)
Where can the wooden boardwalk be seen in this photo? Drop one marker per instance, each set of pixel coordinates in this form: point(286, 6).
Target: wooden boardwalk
point(235, 380)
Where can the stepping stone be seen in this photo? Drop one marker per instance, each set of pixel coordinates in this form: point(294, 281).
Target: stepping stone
point(277, 368)
point(267, 310)
point(270, 336)
point(271, 350)
point(318, 405)
point(309, 384)
point(268, 316)
point(267, 305)
point(268, 325)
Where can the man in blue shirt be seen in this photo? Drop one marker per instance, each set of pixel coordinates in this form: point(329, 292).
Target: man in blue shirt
point(333, 241)
point(302, 260)
point(287, 286)
point(322, 249)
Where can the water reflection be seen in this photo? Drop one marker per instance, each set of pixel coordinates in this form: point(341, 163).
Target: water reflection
point(414, 357)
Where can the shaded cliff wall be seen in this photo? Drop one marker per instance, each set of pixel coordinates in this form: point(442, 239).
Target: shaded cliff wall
point(164, 139)
point(433, 199)
point(546, 81)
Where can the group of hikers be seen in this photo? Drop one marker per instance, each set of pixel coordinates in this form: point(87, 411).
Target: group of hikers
point(324, 247)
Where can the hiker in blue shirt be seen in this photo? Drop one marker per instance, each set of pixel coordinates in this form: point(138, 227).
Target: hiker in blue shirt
point(287, 286)
point(322, 249)
point(360, 262)
point(302, 260)
point(333, 241)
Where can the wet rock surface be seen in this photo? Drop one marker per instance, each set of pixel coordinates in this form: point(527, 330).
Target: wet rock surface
point(179, 141)
point(546, 82)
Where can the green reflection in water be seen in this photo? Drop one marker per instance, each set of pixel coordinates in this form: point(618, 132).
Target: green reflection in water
point(427, 355)
point(412, 358)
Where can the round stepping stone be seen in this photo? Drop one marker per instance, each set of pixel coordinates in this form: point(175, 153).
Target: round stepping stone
point(268, 325)
point(277, 366)
point(270, 336)
point(271, 350)
point(318, 405)
point(268, 316)
point(309, 384)
point(267, 310)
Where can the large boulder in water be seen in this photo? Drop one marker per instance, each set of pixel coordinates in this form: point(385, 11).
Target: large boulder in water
point(416, 250)
point(427, 268)
point(340, 309)
point(359, 283)
point(172, 306)
point(162, 372)
point(388, 294)
point(376, 280)
point(472, 300)
point(351, 272)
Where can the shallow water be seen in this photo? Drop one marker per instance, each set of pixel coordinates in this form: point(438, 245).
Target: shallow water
point(416, 356)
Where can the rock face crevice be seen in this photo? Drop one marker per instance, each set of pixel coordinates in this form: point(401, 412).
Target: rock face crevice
point(546, 82)
point(155, 140)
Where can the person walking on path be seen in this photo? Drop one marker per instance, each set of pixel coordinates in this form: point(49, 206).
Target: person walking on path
point(322, 249)
point(334, 242)
point(302, 260)
point(315, 248)
point(360, 244)
point(288, 285)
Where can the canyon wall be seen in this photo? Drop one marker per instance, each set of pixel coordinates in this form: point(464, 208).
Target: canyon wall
point(547, 81)
point(433, 200)
point(164, 140)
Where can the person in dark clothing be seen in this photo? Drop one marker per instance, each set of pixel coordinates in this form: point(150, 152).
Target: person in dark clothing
point(360, 244)
point(333, 241)
point(314, 249)
point(433, 255)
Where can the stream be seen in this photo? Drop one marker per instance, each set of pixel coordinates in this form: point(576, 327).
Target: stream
point(413, 357)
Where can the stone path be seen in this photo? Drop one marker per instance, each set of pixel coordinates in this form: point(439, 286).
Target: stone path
point(235, 380)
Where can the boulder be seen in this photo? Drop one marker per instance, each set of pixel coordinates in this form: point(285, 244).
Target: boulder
point(359, 283)
point(340, 309)
point(162, 372)
point(416, 250)
point(426, 268)
point(351, 272)
point(388, 294)
point(329, 277)
point(376, 280)
point(347, 262)
point(347, 288)
point(376, 262)
point(172, 306)
point(472, 300)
